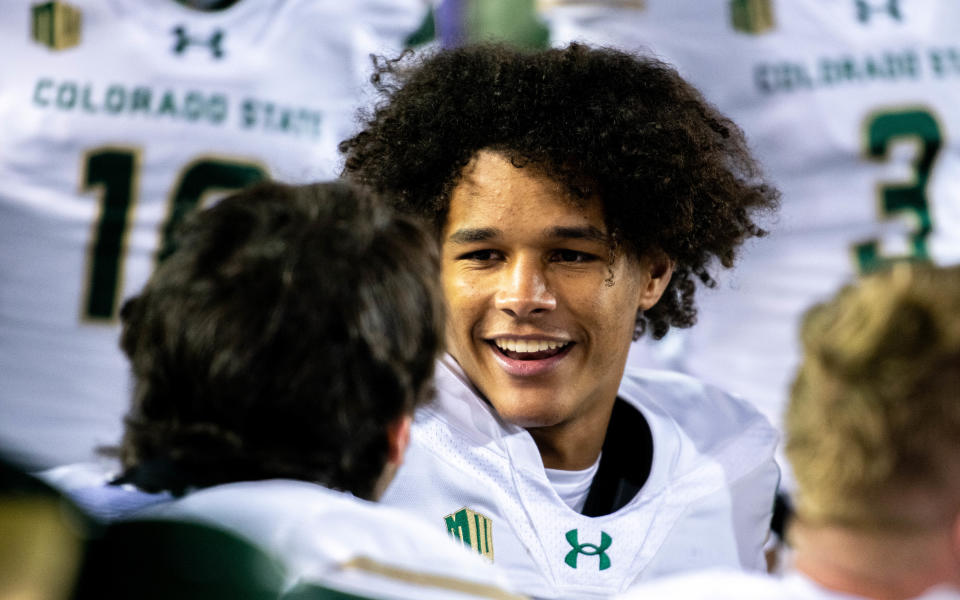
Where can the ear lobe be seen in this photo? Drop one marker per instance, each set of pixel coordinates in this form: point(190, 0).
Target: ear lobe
point(398, 438)
point(659, 268)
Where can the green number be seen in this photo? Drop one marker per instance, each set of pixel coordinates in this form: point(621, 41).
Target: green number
point(113, 169)
point(116, 170)
point(882, 131)
point(201, 177)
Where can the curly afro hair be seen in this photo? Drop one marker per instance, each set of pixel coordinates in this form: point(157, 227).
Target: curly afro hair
point(674, 174)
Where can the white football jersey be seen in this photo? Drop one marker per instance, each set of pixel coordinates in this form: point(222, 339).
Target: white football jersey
point(118, 117)
point(706, 502)
point(321, 536)
point(736, 585)
point(851, 107)
point(332, 538)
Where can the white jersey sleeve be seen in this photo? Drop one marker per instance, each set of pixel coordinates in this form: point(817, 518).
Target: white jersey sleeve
point(119, 117)
point(706, 502)
point(333, 539)
point(851, 108)
point(88, 486)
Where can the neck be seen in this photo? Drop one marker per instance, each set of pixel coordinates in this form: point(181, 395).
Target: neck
point(575, 445)
point(882, 565)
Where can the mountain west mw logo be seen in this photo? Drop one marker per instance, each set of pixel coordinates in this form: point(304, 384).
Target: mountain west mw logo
point(473, 529)
point(56, 25)
point(588, 549)
point(752, 16)
point(184, 40)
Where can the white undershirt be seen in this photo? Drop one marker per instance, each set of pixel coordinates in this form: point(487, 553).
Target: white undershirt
point(573, 486)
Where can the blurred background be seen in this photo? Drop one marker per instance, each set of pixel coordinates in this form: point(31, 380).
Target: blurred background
point(122, 115)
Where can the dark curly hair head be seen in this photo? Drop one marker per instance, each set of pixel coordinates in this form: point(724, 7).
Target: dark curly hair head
point(674, 174)
point(285, 333)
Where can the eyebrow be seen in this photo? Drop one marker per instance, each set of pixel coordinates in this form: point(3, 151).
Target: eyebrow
point(588, 232)
point(482, 234)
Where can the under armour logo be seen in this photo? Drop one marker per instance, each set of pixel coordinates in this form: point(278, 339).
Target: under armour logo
point(184, 41)
point(865, 9)
point(588, 549)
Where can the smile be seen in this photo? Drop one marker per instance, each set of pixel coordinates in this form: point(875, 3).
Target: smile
point(529, 349)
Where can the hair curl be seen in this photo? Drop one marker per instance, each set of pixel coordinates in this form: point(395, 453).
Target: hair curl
point(873, 424)
point(674, 174)
point(288, 328)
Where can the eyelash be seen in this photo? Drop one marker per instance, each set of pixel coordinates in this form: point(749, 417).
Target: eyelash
point(569, 256)
point(478, 255)
point(580, 257)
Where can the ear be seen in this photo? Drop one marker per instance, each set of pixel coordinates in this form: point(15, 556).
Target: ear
point(658, 267)
point(398, 438)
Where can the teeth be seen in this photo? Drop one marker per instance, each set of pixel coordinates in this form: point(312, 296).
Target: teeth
point(512, 345)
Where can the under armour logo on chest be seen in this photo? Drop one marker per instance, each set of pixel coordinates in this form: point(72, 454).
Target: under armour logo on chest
point(185, 40)
point(866, 10)
point(588, 549)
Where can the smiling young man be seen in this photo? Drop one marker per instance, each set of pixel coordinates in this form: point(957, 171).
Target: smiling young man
point(577, 195)
point(523, 265)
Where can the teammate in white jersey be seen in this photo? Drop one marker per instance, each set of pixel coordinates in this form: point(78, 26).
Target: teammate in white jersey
point(577, 194)
point(851, 107)
point(277, 356)
point(119, 116)
point(873, 434)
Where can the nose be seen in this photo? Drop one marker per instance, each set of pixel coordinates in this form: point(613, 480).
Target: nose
point(524, 290)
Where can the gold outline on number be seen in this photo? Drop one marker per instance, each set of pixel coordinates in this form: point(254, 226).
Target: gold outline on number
point(99, 189)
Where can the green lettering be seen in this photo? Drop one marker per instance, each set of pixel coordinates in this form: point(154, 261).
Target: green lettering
point(249, 116)
point(953, 59)
point(911, 64)
point(285, 119)
point(317, 119)
point(86, 102)
point(168, 105)
point(140, 101)
point(848, 70)
point(268, 109)
point(217, 109)
point(116, 99)
point(829, 74)
point(193, 106)
point(67, 95)
point(782, 77)
point(39, 98)
point(876, 70)
point(308, 122)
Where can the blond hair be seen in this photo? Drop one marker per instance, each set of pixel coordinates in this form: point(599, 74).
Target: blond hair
point(873, 425)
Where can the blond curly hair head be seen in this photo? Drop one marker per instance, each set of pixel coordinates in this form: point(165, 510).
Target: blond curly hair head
point(873, 426)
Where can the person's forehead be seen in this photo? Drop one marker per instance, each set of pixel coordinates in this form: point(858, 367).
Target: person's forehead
point(492, 169)
point(492, 187)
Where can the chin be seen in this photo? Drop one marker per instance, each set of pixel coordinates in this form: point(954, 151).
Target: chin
point(527, 419)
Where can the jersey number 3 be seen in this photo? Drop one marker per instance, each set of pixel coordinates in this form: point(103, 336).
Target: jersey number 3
point(115, 171)
point(883, 130)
